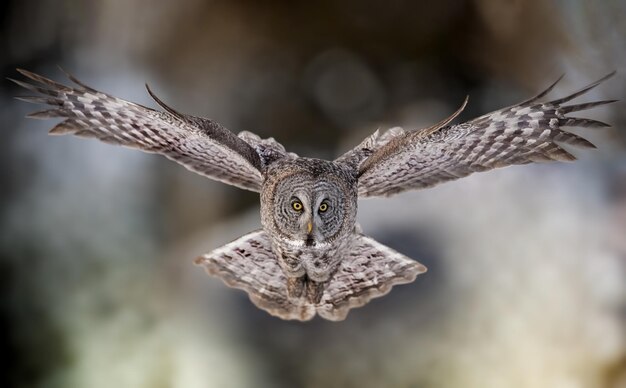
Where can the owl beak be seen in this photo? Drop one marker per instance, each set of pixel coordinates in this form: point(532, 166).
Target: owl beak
point(309, 238)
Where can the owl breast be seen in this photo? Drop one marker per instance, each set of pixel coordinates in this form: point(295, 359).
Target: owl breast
point(318, 263)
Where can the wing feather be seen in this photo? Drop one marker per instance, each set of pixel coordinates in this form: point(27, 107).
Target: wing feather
point(199, 144)
point(528, 132)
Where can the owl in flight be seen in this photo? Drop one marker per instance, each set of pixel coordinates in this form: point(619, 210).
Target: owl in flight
point(311, 256)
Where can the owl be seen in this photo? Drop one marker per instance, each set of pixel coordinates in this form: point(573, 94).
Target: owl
point(311, 257)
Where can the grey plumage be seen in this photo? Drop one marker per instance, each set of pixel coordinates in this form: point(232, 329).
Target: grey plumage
point(201, 145)
point(311, 258)
point(527, 132)
point(368, 270)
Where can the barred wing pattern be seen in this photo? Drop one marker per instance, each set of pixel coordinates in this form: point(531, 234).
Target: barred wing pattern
point(200, 144)
point(367, 271)
point(527, 132)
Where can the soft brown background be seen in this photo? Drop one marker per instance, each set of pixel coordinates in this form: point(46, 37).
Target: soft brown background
point(527, 280)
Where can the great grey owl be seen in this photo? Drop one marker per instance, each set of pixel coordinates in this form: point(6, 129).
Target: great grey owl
point(311, 257)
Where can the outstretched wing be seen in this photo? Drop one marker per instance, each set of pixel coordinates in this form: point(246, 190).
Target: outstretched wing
point(527, 132)
point(369, 270)
point(200, 144)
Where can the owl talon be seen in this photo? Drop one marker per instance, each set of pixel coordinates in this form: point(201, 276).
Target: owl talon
point(295, 287)
point(314, 291)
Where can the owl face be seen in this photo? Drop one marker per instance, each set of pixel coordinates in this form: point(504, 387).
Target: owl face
point(308, 209)
point(309, 203)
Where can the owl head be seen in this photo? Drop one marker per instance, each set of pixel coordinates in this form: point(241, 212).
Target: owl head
point(309, 202)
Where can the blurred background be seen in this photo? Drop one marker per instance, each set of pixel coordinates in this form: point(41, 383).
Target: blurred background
point(527, 265)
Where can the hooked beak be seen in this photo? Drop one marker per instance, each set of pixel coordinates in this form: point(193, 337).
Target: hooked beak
point(309, 239)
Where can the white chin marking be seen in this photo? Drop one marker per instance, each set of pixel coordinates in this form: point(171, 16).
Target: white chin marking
point(295, 243)
point(302, 243)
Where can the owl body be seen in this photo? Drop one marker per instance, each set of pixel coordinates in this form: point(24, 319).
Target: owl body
point(308, 209)
point(311, 258)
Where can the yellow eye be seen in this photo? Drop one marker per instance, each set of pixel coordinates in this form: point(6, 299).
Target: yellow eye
point(297, 206)
point(323, 207)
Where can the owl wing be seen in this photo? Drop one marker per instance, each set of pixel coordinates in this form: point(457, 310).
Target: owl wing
point(368, 271)
point(199, 144)
point(530, 131)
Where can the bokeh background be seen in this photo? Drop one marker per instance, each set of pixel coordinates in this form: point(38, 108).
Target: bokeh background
point(527, 265)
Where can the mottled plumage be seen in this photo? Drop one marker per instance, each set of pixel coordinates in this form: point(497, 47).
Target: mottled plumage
point(369, 269)
point(311, 258)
